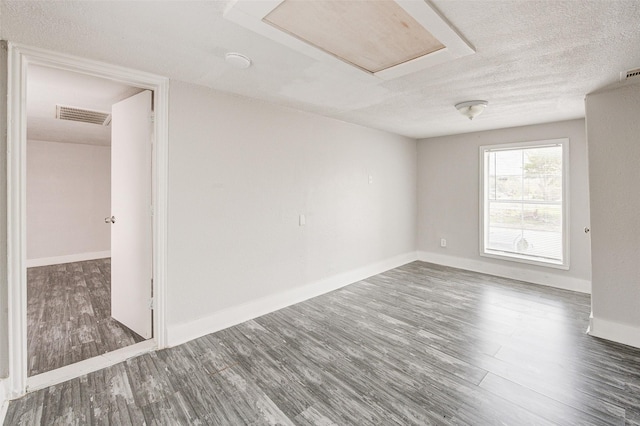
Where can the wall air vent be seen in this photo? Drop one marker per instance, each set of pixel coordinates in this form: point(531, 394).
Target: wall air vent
point(626, 75)
point(83, 115)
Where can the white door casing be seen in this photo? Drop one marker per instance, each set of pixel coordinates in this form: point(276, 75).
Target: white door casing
point(19, 57)
point(131, 260)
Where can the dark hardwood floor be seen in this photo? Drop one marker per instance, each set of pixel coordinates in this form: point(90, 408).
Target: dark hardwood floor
point(420, 344)
point(69, 315)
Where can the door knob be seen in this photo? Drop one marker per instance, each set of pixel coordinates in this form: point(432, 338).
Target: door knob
point(111, 219)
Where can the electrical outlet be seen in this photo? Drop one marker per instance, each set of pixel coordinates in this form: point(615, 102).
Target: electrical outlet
point(443, 242)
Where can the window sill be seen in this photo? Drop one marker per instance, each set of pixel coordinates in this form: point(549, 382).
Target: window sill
point(530, 260)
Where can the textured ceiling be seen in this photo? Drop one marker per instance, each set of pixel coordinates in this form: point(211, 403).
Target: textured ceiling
point(535, 60)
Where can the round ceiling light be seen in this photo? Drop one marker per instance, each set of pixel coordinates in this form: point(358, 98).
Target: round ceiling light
point(237, 60)
point(471, 109)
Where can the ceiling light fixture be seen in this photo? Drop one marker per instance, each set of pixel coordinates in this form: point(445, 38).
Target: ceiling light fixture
point(237, 60)
point(471, 109)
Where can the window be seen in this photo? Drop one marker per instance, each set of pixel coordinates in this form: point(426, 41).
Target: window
point(524, 202)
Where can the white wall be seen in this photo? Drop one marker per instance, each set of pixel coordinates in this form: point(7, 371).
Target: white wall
point(68, 197)
point(448, 197)
point(240, 173)
point(613, 132)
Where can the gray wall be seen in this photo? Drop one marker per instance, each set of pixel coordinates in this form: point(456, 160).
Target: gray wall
point(240, 173)
point(613, 130)
point(448, 203)
point(70, 184)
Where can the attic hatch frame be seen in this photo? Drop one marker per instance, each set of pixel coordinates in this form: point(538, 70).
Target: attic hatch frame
point(19, 57)
point(251, 15)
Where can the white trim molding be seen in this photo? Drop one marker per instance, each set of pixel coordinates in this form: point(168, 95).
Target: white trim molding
point(19, 58)
point(181, 333)
point(546, 278)
point(16, 212)
point(614, 331)
point(57, 260)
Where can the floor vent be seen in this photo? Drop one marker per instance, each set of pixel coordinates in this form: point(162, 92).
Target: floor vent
point(83, 115)
point(626, 75)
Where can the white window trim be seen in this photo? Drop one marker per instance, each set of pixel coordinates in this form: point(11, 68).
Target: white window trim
point(564, 142)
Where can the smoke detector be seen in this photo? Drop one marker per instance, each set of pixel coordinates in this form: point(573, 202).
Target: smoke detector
point(82, 115)
point(237, 60)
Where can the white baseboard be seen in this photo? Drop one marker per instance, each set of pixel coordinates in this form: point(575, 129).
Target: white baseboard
point(181, 333)
point(614, 331)
point(80, 257)
point(537, 277)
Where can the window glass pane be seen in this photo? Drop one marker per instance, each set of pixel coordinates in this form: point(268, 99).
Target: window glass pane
point(508, 175)
point(542, 217)
point(543, 231)
point(505, 220)
point(534, 230)
point(492, 187)
point(491, 156)
point(509, 187)
point(543, 173)
point(490, 162)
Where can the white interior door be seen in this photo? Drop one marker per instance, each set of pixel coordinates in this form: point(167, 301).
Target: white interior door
point(131, 247)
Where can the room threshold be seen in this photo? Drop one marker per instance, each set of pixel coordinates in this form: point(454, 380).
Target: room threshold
point(72, 371)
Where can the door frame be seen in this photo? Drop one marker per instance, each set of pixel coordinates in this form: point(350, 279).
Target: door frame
point(19, 57)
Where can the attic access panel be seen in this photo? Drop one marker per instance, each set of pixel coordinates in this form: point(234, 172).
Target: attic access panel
point(386, 39)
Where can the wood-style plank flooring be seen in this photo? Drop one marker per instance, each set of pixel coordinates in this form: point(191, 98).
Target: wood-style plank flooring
point(420, 344)
point(69, 315)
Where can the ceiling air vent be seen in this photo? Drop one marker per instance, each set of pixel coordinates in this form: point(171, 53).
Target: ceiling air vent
point(83, 115)
point(626, 75)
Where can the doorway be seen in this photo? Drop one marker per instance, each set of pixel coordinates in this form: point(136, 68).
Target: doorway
point(21, 59)
point(88, 159)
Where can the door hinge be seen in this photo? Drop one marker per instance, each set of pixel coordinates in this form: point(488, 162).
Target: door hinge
point(152, 117)
point(152, 213)
point(151, 299)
